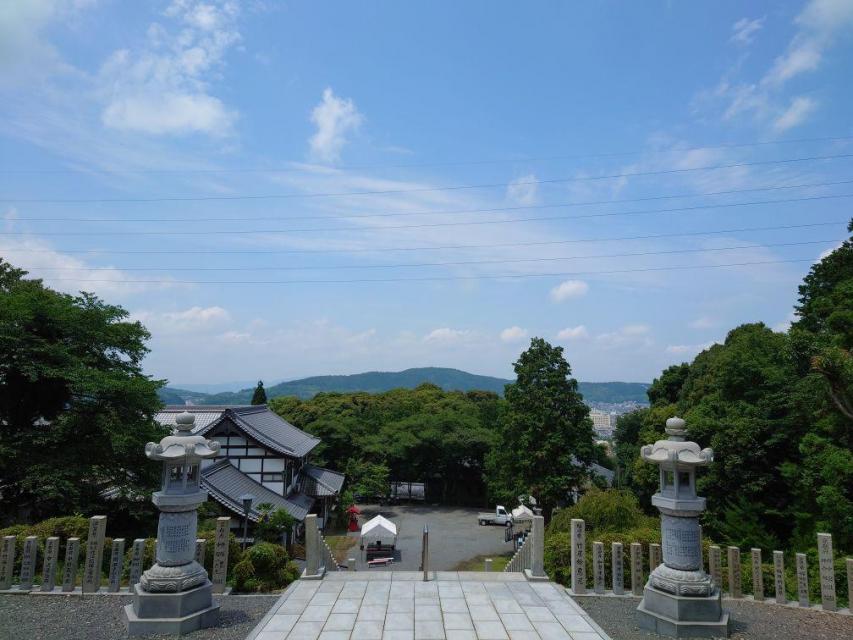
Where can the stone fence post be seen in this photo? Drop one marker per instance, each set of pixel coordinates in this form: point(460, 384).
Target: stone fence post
point(617, 561)
point(779, 577)
point(7, 561)
point(735, 582)
point(94, 554)
point(578, 556)
point(802, 580)
point(220, 554)
point(636, 568)
point(757, 576)
point(48, 571)
point(313, 561)
point(598, 567)
point(28, 563)
point(537, 566)
point(827, 572)
point(69, 571)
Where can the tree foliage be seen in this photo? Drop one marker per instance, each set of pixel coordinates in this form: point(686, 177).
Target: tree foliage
point(546, 439)
point(418, 435)
point(775, 409)
point(75, 407)
point(259, 396)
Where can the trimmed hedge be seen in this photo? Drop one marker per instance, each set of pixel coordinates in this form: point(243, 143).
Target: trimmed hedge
point(265, 567)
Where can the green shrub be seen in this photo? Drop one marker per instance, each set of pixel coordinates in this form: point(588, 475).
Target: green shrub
point(610, 510)
point(264, 567)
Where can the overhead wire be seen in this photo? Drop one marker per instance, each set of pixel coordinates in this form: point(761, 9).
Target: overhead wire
point(411, 165)
point(672, 170)
point(441, 278)
point(433, 224)
point(447, 263)
point(445, 211)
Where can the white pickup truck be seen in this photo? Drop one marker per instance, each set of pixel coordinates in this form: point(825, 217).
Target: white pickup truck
point(500, 516)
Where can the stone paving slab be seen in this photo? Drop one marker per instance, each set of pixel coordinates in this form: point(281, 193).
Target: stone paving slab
point(451, 606)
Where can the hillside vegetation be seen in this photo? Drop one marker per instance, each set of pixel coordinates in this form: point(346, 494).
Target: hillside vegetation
point(381, 381)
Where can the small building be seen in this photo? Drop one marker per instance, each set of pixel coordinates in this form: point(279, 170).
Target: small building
point(603, 423)
point(263, 455)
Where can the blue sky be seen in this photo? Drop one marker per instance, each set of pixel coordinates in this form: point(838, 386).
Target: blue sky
point(178, 158)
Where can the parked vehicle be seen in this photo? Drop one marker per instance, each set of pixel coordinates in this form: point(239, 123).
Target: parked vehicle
point(500, 516)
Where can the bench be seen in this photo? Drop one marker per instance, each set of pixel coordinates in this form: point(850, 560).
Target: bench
point(380, 562)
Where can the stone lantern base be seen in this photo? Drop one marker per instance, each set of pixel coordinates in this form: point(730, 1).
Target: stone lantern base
point(171, 613)
point(683, 616)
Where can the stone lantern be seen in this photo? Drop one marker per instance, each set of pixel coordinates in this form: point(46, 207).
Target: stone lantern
point(174, 596)
point(680, 599)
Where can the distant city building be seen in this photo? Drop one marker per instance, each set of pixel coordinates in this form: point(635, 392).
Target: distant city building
point(602, 423)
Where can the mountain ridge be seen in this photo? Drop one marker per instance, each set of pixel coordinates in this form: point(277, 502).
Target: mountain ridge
point(379, 381)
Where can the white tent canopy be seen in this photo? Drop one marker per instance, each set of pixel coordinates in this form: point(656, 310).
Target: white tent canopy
point(522, 513)
point(379, 529)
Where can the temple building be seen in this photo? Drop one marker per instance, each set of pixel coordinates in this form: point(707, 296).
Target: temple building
point(263, 455)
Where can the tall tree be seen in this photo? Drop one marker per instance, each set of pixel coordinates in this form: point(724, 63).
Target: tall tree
point(546, 440)
point(260, 394)
point(75, 407)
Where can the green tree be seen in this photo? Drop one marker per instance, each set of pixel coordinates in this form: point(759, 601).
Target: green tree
point(75, 407)
point(627, 444)
point(275, 525)
point(546, 441)
point(260, 395)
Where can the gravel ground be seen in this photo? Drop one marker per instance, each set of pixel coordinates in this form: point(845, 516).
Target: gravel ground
point(750, 621)
point(102, 617)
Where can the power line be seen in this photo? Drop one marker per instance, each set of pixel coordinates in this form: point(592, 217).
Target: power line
point(448, 211)
point(445, 264)
point(433, 224)
point(183, 251)
point(408, 165)
point(442, 278)
point(418, 189)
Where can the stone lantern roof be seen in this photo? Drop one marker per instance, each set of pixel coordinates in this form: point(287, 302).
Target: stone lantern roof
point(676, 452)
point(182, 445)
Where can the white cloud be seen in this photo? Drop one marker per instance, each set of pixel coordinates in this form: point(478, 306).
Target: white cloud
point(800, 109)
point(573, 333)
point(513, 334)
point(164, 88)
point(703, 322)
point(569, 289)
point(447, 335)
point(800, 58)
point(744, 30)
point(818, 27)
point(172, 113)
point(692, 349)
point(523, 191)
point(335, 119)
point(631, 335)
point(67, 273)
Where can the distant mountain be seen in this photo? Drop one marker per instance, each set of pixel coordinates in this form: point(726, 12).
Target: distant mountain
point(378, 381)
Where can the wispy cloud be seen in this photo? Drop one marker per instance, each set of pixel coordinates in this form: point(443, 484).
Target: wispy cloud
point(513, 334)
point(164, 88)
point(569, 289)
point(764, 100)
point(744, 30)
point(336, 119)
point(573, 333)
point(799, 110)
point(523, 190)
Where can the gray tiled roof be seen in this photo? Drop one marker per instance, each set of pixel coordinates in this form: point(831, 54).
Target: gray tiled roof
point(320, 482)
point(204, 415)
point(225, 484)
point(263, 425)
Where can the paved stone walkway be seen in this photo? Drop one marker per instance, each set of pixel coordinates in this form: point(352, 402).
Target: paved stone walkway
point(400, 606)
